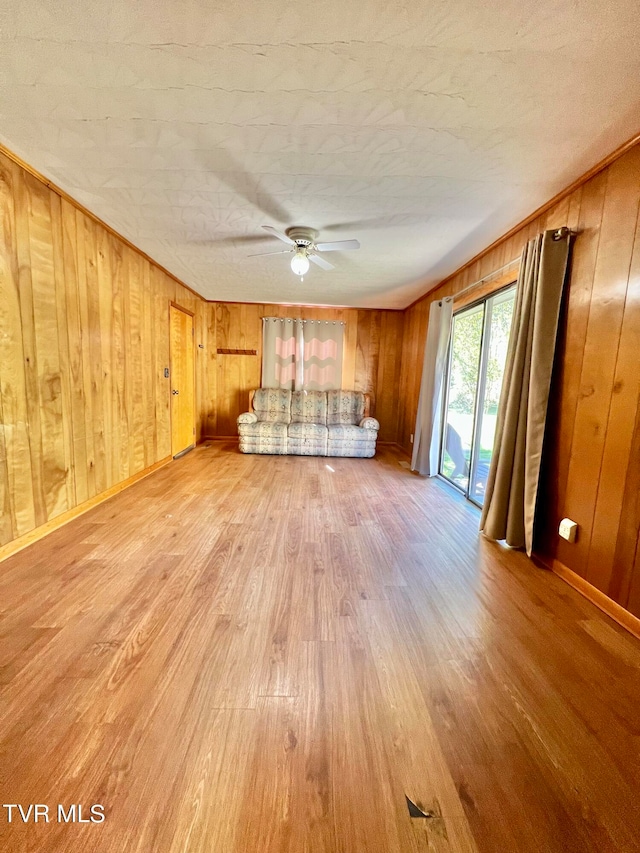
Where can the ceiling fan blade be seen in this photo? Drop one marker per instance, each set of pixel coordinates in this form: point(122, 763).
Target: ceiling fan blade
point(260, 254)
point(320, 262)
point(395, 220)
point(233, 174)
point(340, 246)
point(278, 234)
point(352, 224)
point(223, 241)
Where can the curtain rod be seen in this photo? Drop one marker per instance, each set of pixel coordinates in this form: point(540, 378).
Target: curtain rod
point(482, 280)
point(300, 320)
point(558, 234)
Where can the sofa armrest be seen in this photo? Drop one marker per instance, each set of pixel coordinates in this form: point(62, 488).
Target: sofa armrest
point(369, 423)
point(248, 418)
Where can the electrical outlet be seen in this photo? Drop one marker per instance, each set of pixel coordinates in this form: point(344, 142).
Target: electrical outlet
point(568, 529)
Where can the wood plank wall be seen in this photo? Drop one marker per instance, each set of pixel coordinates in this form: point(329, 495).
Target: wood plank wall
point(84, 404)
point(372, 351)
point(593, 458)
point(84, 341)
point(84, 323)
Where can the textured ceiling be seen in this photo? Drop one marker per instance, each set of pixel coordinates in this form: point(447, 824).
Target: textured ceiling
point(425, 130)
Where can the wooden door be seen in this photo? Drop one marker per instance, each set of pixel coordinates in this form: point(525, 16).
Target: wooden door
point(183, 431)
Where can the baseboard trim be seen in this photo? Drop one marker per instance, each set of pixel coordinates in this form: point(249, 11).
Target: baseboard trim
point(396, 446)
point(64, 518)
point(603, 602)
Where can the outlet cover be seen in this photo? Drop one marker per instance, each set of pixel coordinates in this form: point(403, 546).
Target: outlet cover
point(568, 529)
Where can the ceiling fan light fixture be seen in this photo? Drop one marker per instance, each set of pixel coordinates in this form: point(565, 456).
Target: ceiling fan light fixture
point(302, 242)
point(300, 263)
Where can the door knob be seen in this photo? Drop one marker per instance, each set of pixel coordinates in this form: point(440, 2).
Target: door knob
point(175, 392)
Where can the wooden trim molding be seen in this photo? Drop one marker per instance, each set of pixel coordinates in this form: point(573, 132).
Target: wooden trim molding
point(602, 601)
point(65, 195)
point(598, 167)
point(398, 447)
point(79, 206)
point(181, 307)
point(226, 351)
point(60, 520)
point(486, 288)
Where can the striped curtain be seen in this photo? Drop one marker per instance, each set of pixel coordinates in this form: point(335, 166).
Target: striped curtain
point(282, 360)
point(323, 347)
point(302, 354)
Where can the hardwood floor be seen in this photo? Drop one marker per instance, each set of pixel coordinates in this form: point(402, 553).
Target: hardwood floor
point(245, 653)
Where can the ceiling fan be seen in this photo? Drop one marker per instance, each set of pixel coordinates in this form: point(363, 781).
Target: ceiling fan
point(302, 244)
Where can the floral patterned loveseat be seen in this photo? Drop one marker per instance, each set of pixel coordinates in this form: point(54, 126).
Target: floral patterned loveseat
point(308, 423)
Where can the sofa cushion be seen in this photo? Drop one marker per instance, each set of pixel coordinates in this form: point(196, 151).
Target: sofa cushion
point(309, 407)
point(370, 423)
point(273, 405)
point(263, 437)
point(264, 429)
point(345, 407)
point(315, 423)
point(350, 432)
point(271, 446)
point(304, 447)
point(314, 432)
point(352, 449)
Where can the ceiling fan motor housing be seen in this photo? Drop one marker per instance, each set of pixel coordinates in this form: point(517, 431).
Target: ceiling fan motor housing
point(301, 236)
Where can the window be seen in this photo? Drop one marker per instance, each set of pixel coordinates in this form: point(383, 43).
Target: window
point(477, 356)
point(302, 354)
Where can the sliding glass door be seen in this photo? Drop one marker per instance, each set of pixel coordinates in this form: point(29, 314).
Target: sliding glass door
point(477, 355)
point(462, 390)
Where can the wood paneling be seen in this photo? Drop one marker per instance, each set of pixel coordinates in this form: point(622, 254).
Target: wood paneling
point(227, 681)
point(84, 340)
point(592, 474)
point(371, 362)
